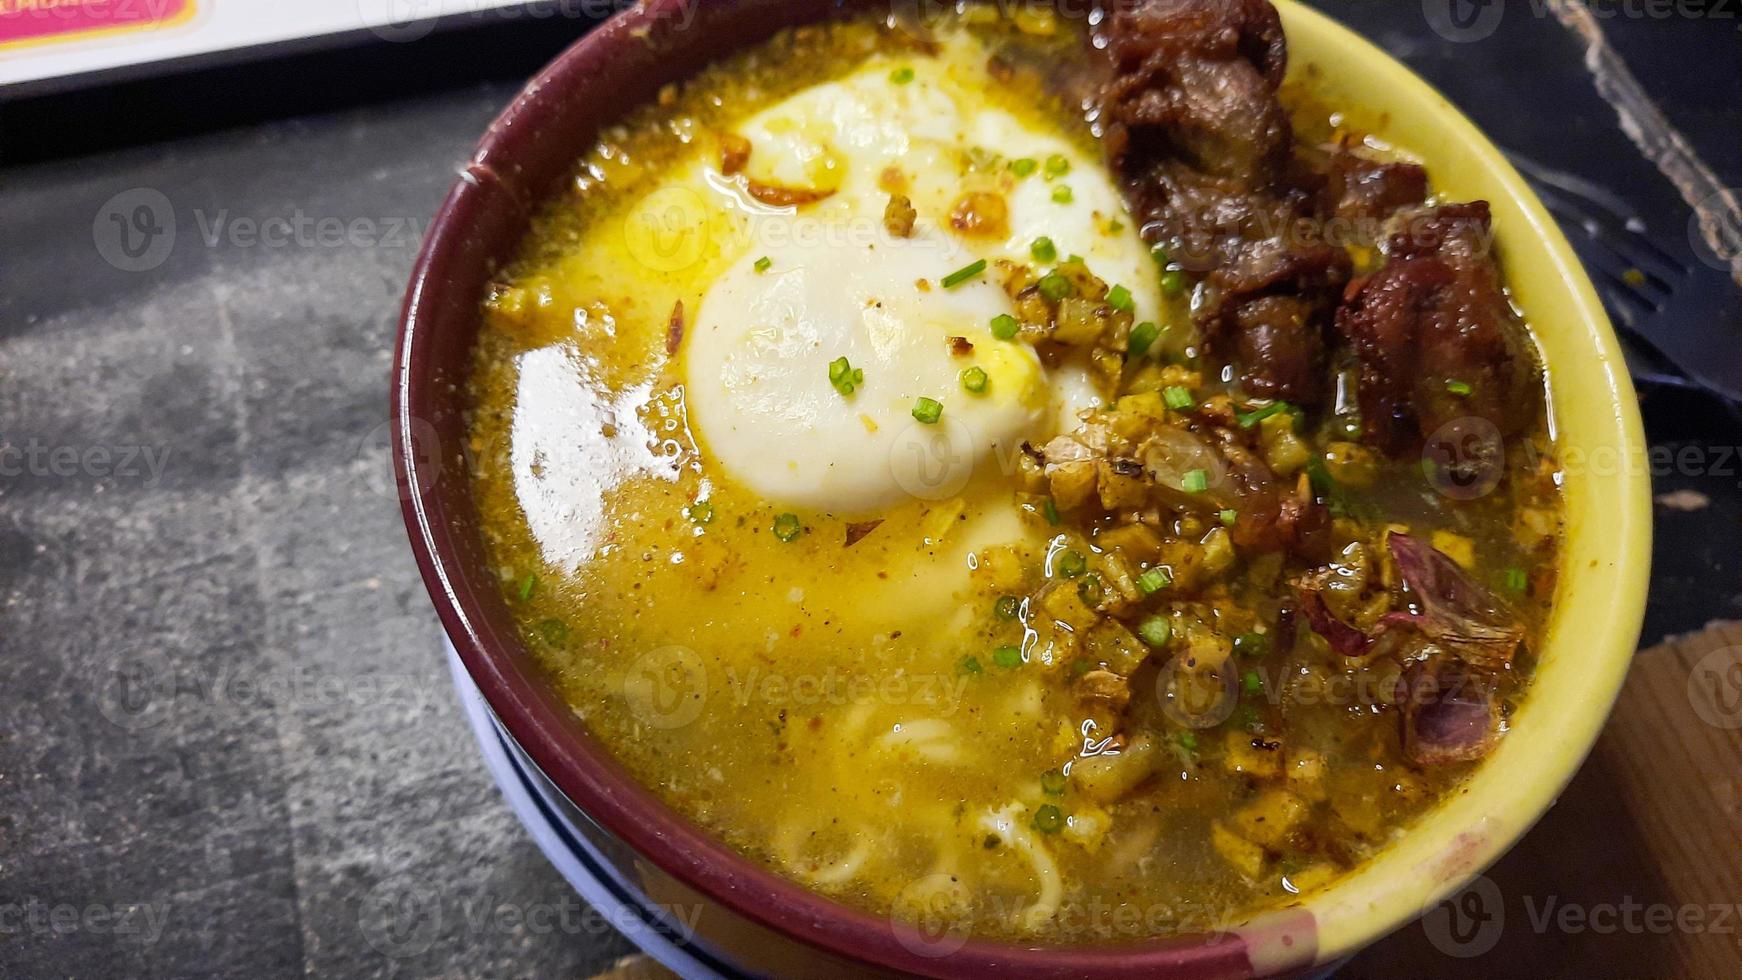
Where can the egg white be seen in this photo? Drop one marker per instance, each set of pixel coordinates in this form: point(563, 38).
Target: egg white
point(811, 284)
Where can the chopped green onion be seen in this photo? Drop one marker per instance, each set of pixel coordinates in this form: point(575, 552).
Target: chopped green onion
point(1460, 388)
point(1007, 657)
point(787, 527)
point(902, 75)
point(1154, 580)
point(1008, 607)
point(1120, 299)
point(1155, 631)
point(1517, 580)
point(1195, 481)
point(764, 263)
point(1048, 819)
point(1055, 287)
point(1177, 398)
point(1174, 282)
point(1005, 327)
point(527, 585)
point(844, 376)
point(1143, 336)
point(1023, 167)
point(1044, 250)
point(1251, 683)
point(1251, 644)
point(1072, 563)
point(1050, 510)
point(1052, 782)
point(701, 512)
point(1062, 194)
point(970, 665)
point(974, 380)
point(965, 273)
point(928, 410)
point(1229, 516)
point(553, 631)
point(1057, 166)
point(1249, 419)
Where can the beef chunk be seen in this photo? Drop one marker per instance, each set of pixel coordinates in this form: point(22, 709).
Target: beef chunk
point(1204, 147)
point(1195, 81)
point(1357, 189)
point(1433, 332)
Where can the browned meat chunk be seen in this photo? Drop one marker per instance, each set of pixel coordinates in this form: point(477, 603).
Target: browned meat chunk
point(1204, 146)
point(1434, 334)
point(1361, 190)
point(1195, 80)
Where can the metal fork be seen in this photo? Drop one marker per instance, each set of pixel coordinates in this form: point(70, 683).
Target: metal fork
point(1675, 317)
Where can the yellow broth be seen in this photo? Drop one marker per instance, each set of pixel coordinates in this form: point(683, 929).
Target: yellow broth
point(852, 715)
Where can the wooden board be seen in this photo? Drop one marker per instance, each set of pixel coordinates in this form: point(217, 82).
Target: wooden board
point(1637, 871)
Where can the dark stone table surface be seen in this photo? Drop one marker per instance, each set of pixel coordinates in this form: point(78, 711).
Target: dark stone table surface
point(225, 720)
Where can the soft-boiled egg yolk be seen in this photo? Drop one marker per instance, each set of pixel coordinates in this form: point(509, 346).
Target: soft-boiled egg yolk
point(825, 280)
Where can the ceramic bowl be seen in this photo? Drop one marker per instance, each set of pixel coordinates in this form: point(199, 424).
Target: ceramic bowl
point(764, 924)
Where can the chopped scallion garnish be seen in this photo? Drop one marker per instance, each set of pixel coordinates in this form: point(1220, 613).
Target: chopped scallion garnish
point(1005, 326)
point(527, 585)
point(1188, 741)
point(1249, 419)
point(1154, 580)
point(1055, 287)
point(965, 273)
point(1049, 819)
point(700, 512)
point(1517, 580)
point(1057, 166)
point(1251, 644)
point(764, 263)
point(787, 527)
point(1251, 682)
point(1062, 194)
point(1120, 299)
point(1177, 398)
point(1072, 563)
point(1024, 166)
point(1007, 607)
point(1195, 481)
point(974, 380)
point(1052, 782)
point(971, 665)
point(1050, 510)
point(928, 410)
point(1174, 282)
point(1007, 657)
point(1143, 336)
point(1155, 631)
point(844, 376)
point(1229, 517)
point(1044, 250)
point(1460, 388)
point(902, 75)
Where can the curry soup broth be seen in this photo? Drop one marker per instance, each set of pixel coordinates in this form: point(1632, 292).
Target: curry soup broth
point(880, 707)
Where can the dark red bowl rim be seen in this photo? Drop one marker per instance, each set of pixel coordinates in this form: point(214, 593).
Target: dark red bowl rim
point(478, 225)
